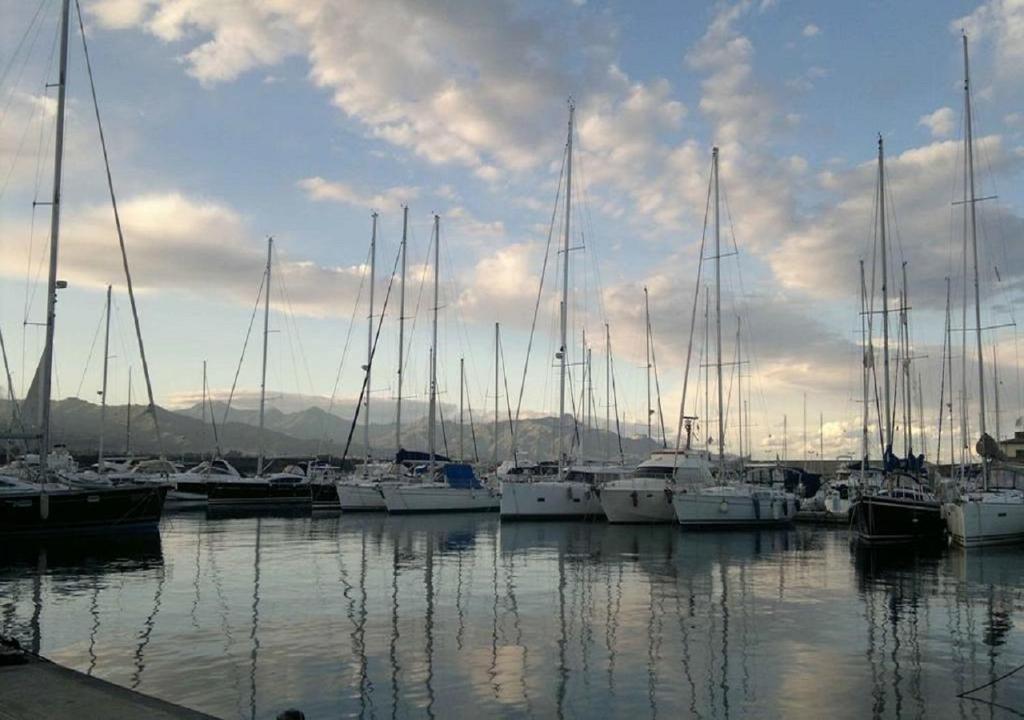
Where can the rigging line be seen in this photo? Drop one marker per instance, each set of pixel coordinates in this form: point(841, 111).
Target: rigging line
point(472, 429)
point(21, 42)
point(341, 363)
point(536, 305)
point(120, 234)
point(508, 398)
point(693, 316)
point(245, 344)
point(615, 400)
point(369, 362)
point(21, 70)
point(290, 316)
point(419, 297)
point(92, 347)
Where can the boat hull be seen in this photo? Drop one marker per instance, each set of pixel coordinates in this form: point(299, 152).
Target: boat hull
point(882, 520)
point(428, 498)
point(976, 524)
point(738, 510)
point(641, 504)
point(360, 497)
point(116, 509)
point(549, 500)
point(257, 494)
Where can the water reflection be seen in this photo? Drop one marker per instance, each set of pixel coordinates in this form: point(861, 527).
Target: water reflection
point(243, 615)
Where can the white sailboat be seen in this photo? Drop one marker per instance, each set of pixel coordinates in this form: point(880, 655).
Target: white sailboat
point(446, 486)
point(728, 503)
point(574, 491)
point(986, 515)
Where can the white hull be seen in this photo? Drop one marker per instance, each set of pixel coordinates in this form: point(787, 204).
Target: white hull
point(542, 499)
point(180, 497)
point(973, 524)
point(729, 508)
point(360, 497)
point(435, 497)
point(637, 502)
point(837, 506)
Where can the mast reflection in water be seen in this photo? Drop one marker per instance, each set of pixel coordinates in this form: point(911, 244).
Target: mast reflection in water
point(457, 616)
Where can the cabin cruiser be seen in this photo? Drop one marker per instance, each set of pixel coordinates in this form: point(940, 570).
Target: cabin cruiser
point(361, 490)
point(646, 496)
point(455, 487)
point(542, 495)
point(289, 487)
point(185, 487)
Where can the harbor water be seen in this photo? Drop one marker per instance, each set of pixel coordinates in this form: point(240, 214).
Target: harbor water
point(463, 616)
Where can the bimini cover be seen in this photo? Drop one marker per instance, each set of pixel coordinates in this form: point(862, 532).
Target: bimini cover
point(461, 475)
point(404, 455)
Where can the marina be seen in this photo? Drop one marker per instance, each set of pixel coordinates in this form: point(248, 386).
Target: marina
point(462, 615)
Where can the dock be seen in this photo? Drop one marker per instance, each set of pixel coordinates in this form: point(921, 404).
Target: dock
point(33, 688)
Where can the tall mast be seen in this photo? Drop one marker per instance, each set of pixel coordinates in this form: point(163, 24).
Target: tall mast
point(432, 415)
point(128, 418)
point(564, 321)
point(369, 346)
point(462, 386)
point(497, 348)
point(949, 370)
point(821, 441)
point(263, 372)
point(607, 390)
point(887, 441)
point(583, 395)
point(908, 396)
point(401, 332)
point(103, 392)
point(972, 201)
point(805, 430)
point(867, 361)
point(739, 385)
point(995, 388)
point(718, 326)
point(647, 333)
point(51, 285)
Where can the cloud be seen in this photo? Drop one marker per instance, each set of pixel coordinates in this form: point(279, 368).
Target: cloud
point(182, 244)
point(810, 30)
point(318, 189)
point(1000, 22)
point(940, 123)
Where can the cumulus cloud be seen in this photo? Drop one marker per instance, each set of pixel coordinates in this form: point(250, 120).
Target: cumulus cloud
point(1000, 22)
point(940, 123)
point(317, 188)
point(182, 244)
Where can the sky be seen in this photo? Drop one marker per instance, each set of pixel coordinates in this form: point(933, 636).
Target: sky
point(231, 122)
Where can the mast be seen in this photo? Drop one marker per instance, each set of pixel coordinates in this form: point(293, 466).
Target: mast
point(718, 326)
point(805, 430)
point(563, 344)
point(462, 386)
point(647, 323)
point(103, 392)
point(821, 441)
point(885, 294)
point(972, 201)
point(908, 400)
point(995, 387)
point(868, 359)
point(263, 371)
point(369, 347)
point(401, 332)
point(739, 384)
point(51, 284)
point(497, 349)
point(432, 413)
point(128, 418)
point(607, 391)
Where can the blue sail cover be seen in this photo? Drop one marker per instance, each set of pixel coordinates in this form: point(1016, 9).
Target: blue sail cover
point(461, 475)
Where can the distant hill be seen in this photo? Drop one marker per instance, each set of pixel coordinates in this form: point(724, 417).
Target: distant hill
point(76, 423)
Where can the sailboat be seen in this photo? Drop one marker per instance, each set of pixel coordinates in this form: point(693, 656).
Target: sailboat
point(729, 502)
point(986, 515)
point(574, 491)
point(288, 488)
point(50, 501)
point(904, 510)
point(361, 491)
point(444, 486)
